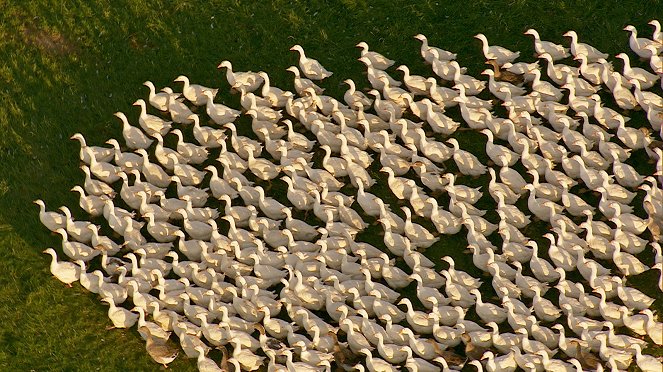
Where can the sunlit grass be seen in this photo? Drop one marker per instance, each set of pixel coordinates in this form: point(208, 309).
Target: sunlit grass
point(66, 67)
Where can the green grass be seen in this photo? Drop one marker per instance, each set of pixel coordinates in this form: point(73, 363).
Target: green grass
point(65, 68)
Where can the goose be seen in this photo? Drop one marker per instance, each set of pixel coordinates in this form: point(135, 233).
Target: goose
point(504, 341)
point(395, 354)
point(544, 308)
point(417, 234)
point(431, 179)
point(533, 346)
point(441, 95)
point(512, 179)
point(575, 205)
point(418, 85)
point(197, 229)
point(556, 51)
point(468, 164)
point(220, 187)
point(262, 168)
point(471, 85)
point(655, 61)
point(589, 51)
point(645, 99)
point(488, 312)
point(107, 289)
point(527, 284)
point(499, 154)
point(645, 78)
point(151, 123)
point(495, 188)
point(633, 138)
point(193, 154)
point(458, 294)
point(158, 100)
point(374, 364)
point(430, 53)
point(76, 250)
point(626, 262)
point(119, 316)
point(425, 294)
point(161, 353)
point(622, 359)
point(504, 74)
point(621, 93)
point(195, 93)
point(105, 172)
point(633, 298)
point(153, 173)
point(547, 91)
point(186, 174)
point(641, 45)
point(241, 81)
point(206, 136)
point(311, 68)
point(638, 323)
point(245, 358)
point(179, 112)
point(502, 363)
point(66, 272)
point(500, 54)
point(438, 122)
point(125, 160)
point(301, 84)
point(161, 231)
point(646, 363)
point(355, 98)
point(543, 190)
point(298, 140)
point(560, 73)
point(101, 154)
point(501, 89)
point(166, 156)
point(592, 72)
point(420, 322)
point(459, 276)
point(625, 174)
point(377, 60)
point(501, 282)
point(52, 220)
point(543, 209)
point(133, 137)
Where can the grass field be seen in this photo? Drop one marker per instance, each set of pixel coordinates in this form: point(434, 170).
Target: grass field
point(66, 67)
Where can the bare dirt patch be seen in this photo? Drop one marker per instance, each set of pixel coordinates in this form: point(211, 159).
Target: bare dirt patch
point(48, 41)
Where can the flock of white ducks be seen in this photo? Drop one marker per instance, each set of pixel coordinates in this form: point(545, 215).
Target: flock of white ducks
point(201, 244)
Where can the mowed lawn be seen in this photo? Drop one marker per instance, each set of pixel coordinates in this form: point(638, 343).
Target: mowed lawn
point(66, 67)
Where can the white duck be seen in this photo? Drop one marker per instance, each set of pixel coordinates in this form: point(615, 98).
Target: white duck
point(500, 54)
point(467, 162)
point(241, 81)
point(158, 100)
point(102, 154)
point(428, 52)
point(133, 137)
point(66, 272)
point(195, 93)
point(556, 51)
point(310, 67)
point(151, 123)
point(644, 77)
point(589, 51)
